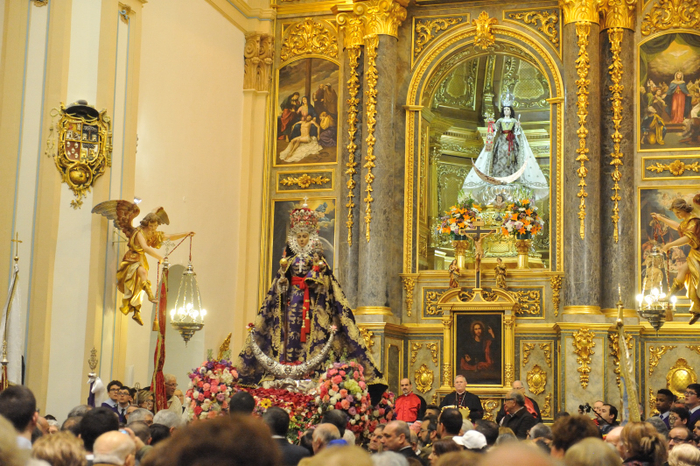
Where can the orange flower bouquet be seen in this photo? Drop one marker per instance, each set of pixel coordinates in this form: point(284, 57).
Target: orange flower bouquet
point(460, 218)
point(522, 220)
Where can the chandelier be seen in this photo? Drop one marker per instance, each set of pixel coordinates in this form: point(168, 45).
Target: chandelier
point(187, 317)
point(653, 303)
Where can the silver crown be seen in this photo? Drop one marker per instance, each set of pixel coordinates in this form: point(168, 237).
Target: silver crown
point(507, 99)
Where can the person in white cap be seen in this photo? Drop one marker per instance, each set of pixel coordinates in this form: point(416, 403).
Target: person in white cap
point(471, 440)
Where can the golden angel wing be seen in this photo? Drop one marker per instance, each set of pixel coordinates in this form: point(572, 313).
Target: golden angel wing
point(122, 213)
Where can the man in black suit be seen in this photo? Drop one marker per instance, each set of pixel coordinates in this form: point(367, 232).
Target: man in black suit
point(517, 417)
point(461, 398)
point(397, 437)
point(277, 420)
point(530, 404)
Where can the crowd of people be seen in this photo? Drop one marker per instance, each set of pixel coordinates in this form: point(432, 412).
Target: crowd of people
point(125, 431)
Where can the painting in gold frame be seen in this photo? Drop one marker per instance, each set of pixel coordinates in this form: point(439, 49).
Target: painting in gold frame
point(478, 347)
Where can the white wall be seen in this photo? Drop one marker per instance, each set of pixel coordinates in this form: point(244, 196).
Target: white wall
point(189, 149)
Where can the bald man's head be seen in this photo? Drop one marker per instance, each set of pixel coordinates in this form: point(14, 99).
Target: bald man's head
point(323, 434)
point(114, 447)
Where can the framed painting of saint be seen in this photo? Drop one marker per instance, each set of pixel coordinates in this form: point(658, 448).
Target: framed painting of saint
point(669, 93)
point(307, 113)
point(478, 347)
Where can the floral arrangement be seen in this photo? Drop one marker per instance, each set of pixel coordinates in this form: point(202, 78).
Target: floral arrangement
point(459, 218)
point(383, 412)
point(343, 387)
point(522, 220)
point(210, 389)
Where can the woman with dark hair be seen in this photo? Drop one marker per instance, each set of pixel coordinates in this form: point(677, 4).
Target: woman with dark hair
point(642, 445)
point(440, 447)
point(689, 273)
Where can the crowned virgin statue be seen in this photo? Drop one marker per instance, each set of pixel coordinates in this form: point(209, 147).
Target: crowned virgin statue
point(303, 308)
point(506, 163)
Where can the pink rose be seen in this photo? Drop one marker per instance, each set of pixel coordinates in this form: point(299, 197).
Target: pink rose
point(211, 415)
point(214, 388)
point(224, 405)
point(350, 399)
point(345, 404)
point(215, 382)
point(337, 379)
point(342, 373)
point(381, 411)
point(335, 388)
point(201, 397)
point(355, 375)
point(332, 372)
point(206, 387)
point(343, 393)
point(200, 384)
point(220, 397)
point(326, 398)
point(362, 385)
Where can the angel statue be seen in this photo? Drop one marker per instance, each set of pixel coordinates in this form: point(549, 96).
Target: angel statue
point(132, 275)
point(304, 306)
point(505, 160)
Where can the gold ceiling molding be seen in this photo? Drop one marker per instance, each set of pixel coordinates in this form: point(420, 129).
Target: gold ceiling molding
point(536, 379)
point(309, 37)
point(371, 94)
point(615, 70)
point(409, 284)
point(547, 350)
point(577, 11)
point(583, 30)
point(527, 349)
point(672, 14)
point(382, 17)
point(676, 168)
point(618, 14)
point(427, 29)
point(547, 22)
point(613, 339)
point(655, 354)
point(583, 348)
point(556, 282)
point(424, 378)
point(484, 37)
point(680, 376)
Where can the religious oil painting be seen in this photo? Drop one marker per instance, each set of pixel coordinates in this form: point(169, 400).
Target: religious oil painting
point(307, 113)
point(658, 272)
point(669, 93)
point(280, 228)
point(479, 347)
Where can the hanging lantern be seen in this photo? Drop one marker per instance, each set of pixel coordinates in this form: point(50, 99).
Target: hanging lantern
point(653, 304)
point(187, 317)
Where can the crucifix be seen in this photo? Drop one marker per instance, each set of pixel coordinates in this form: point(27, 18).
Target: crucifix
point(480, 234)
point(16, 241)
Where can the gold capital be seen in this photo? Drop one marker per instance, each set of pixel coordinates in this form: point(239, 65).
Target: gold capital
point(382, 17)
point(352, 25)
point(618, 14)
point(579, 11)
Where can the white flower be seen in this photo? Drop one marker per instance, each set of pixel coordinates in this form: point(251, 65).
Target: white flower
point(352, 422)
point(320, 411)
point(332, 392)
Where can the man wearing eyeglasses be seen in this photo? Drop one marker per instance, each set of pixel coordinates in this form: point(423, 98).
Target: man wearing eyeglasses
point(124, 401)
point(517, 418)
point(174, 403)
point(692, 402)
point(113, 391)
point(678, 436)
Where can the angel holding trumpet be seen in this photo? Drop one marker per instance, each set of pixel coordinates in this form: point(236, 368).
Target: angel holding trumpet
point(132, 274)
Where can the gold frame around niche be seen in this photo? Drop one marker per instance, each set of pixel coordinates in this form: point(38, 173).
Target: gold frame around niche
point(442, 48)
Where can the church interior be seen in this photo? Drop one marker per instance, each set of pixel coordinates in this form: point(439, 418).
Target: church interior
point(388, 119)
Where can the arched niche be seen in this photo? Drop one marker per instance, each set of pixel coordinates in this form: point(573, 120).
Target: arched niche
point(448, 96)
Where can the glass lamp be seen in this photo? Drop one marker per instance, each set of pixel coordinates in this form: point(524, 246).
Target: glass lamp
point(653, 304)
point(187, 317)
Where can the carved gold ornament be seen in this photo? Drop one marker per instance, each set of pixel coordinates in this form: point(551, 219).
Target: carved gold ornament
point(484, 37)
point(615, 70)
point(655, 356)
point(695, 348)
point(672, 14)
point(509, 374)
point(556, 282)
point(433, 348)
point(371, 93)
point(529, 301)
point(546, 411)
point(352, 26)
point(576, 11)
point(424, 378)
point(93, 361)
point(304, 181)
point(618, 14)
point(40, 3)
point(536, 379)
point(527, 349)
point(547, 350)
point(652, 403)
point(415, 347)
point(382, 17)
point(353, 110)
point(547, 20)
point(367, 335)
point(84, 146)
point(582, 66)
point(613, 339)
point(677, 168)
point(583, 348)
point(258, 57)
point(428, 29)
point(489, 405)
point(680, 376)
point(309, 36)
point(225, 347)
point(409, 284)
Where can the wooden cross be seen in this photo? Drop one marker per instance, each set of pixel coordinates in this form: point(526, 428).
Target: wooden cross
point(16, 241)
point(478, 249)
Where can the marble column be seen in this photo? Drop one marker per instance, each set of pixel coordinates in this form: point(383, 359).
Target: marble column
point(582, 263)
point(617, 113)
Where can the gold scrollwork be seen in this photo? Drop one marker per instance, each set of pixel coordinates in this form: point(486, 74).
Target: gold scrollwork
point(547, 406)
point(613, 342)
point(484, 37)
point(655, 356)
point(352, 26)
point(353, 110)
point(93, 361)
point(547, 350)
point(431, 302)
point(424, 378)
point(583, 348)
point(618, 14)
point(615, 70)
point(428, 29)
point(556, 282)
point(583, 30)
point(382, 17)
point(676, 168)
point(489, 405)
point(509, 374)
point(527, 349)
point(409, 284)
point(40, 3)
point(671, 14)
point(536, 379)
point(576, 11)
point(367, 335)
point(652, 403)
point(529, 301)
point(548, 23)
point(309, 36)
point(371, 92)
point(433, 348)
point(695, 348)
point(304, 181)
point(680, 376)
point(415, 347)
